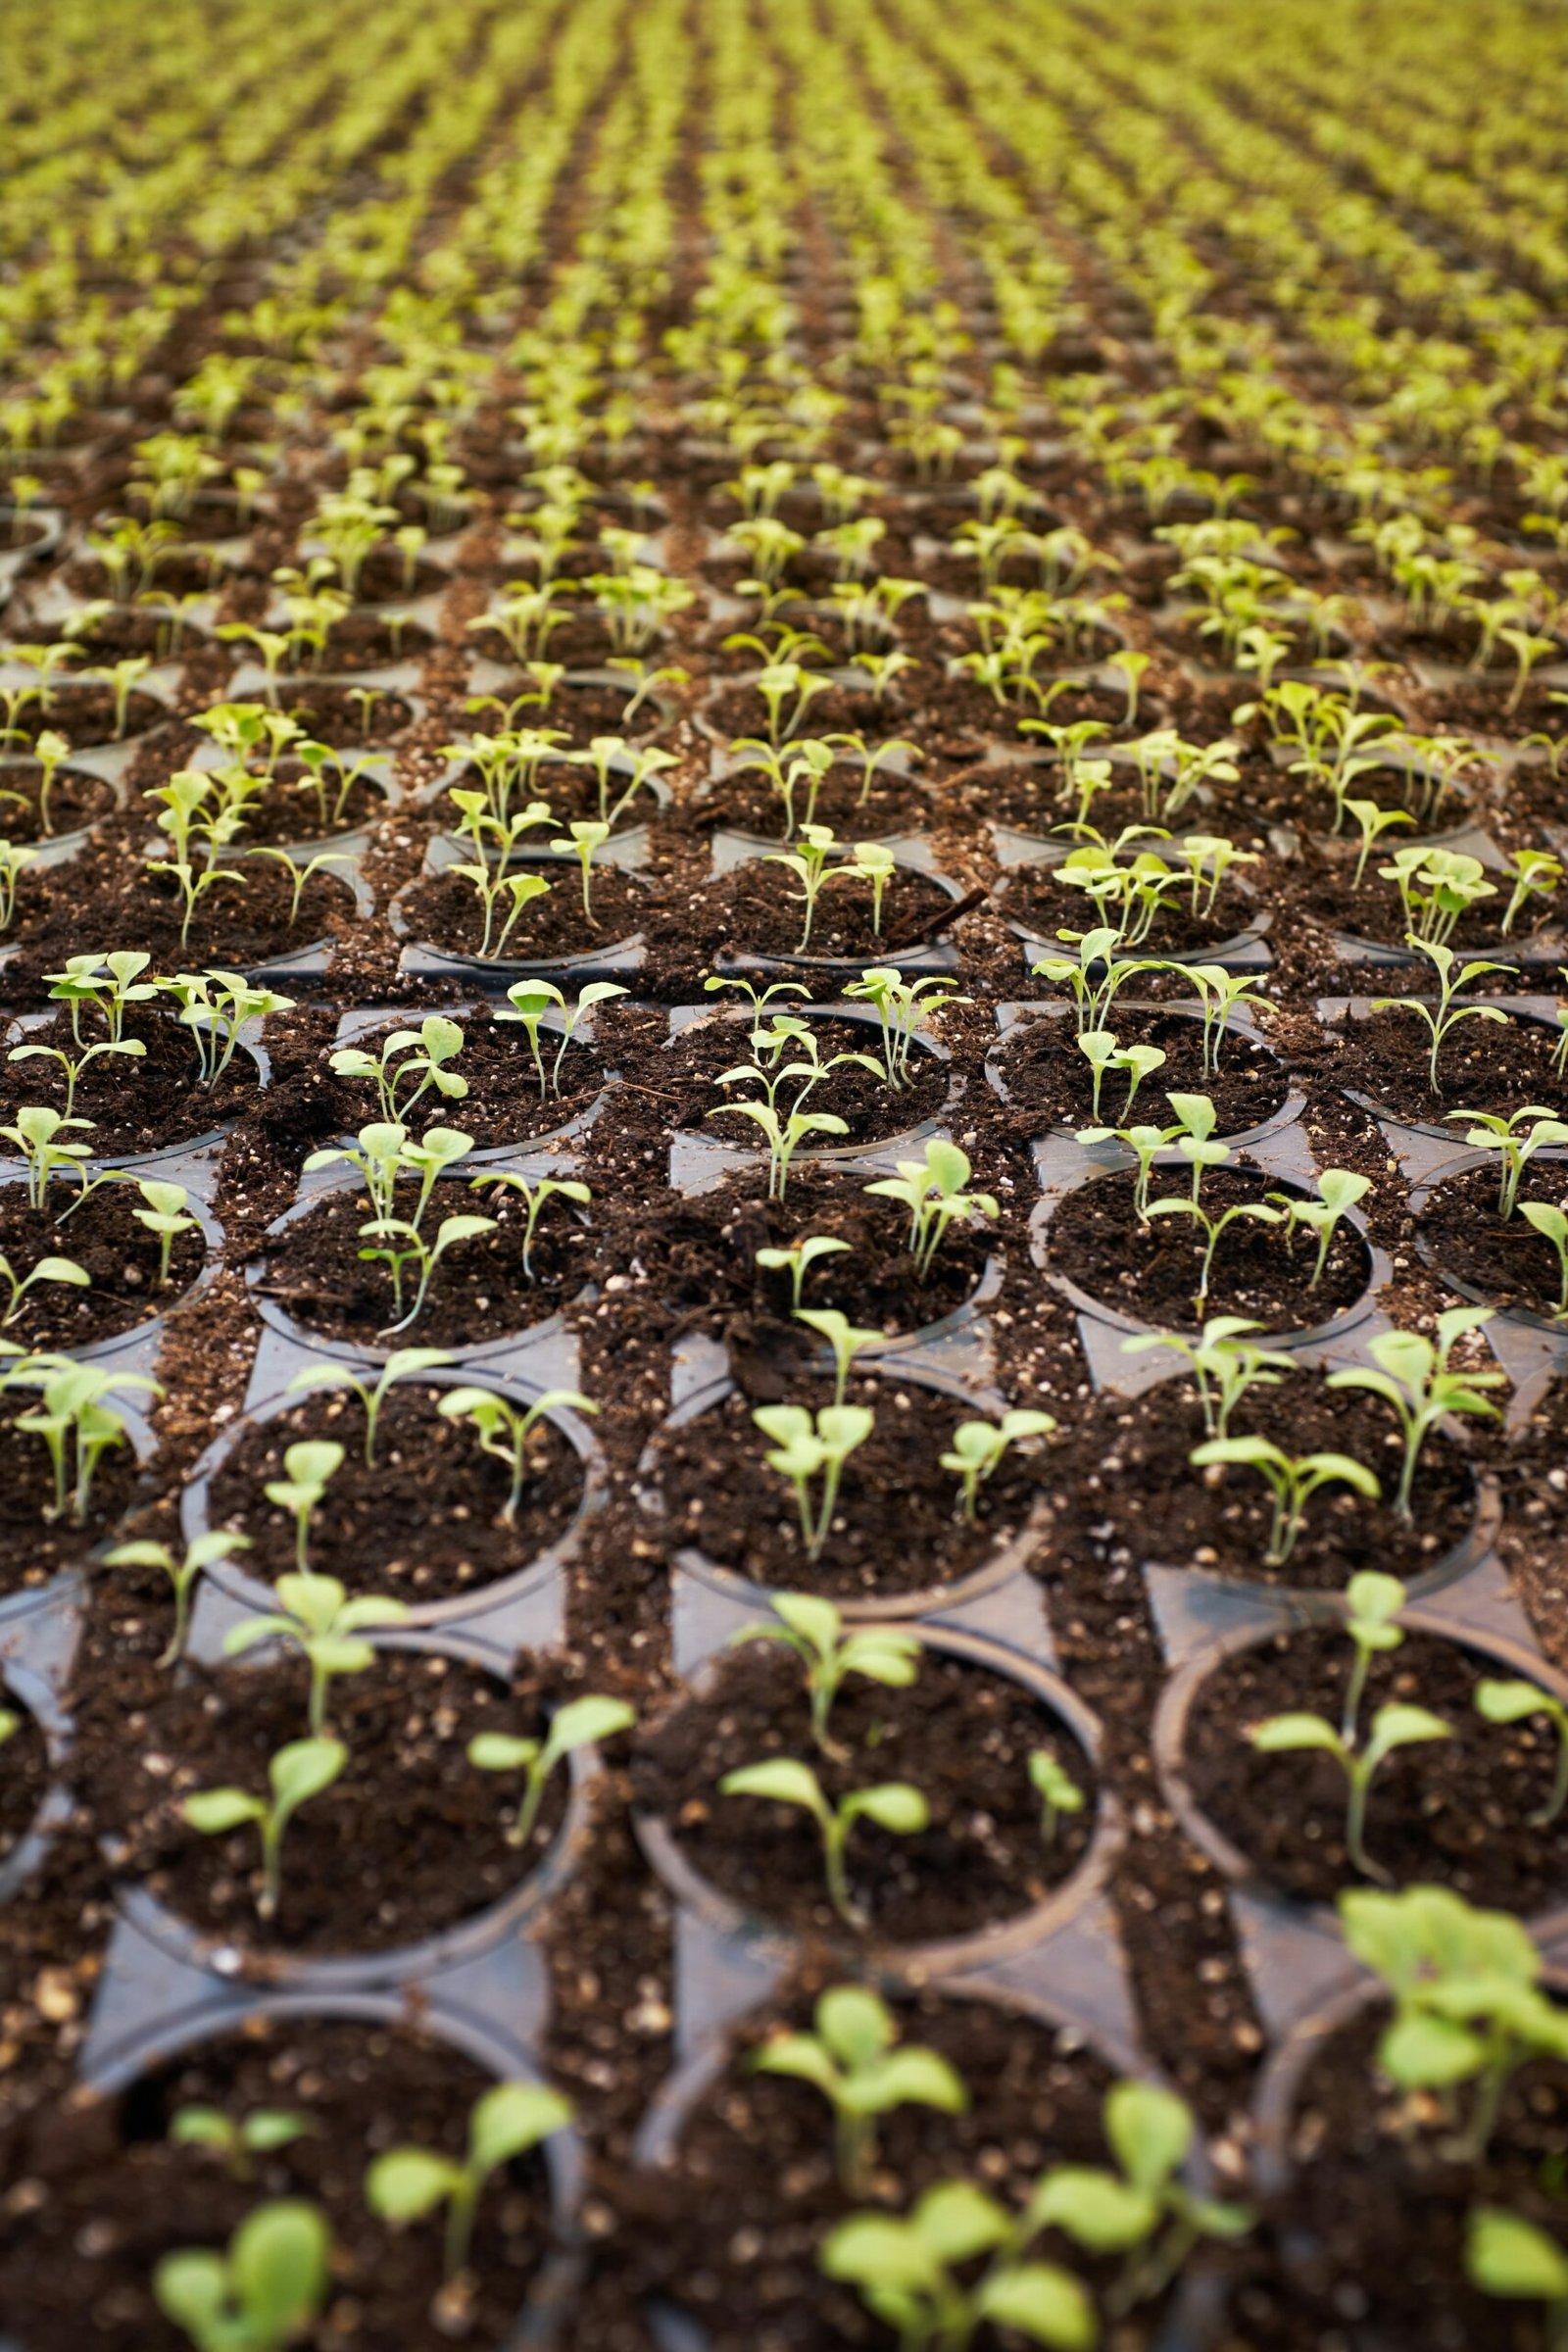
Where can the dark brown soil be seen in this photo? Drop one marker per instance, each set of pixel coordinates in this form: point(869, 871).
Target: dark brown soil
point(503, 1103)
point(701, 1254)
point(1042, 1068)
point(759, 2145)
point(336, 714)
point(33, 1547)
point(756, 910)
point(1376, 911)
point(571, 792)
point(410, 1839)
point(86, 715)
point(446, 913)
point(870, 1108)
point(103, 1237)
point(1482, 1065)
point(364, 641)
point(75, 799)
point(1448, 1813)
point(1129, 1494)
point(479, 1291)
point(235, 925)
point(290, 808)
point(1506, 1259)
point(894, 803)
point(1045, 906)
point(1376, 2200)
point(582, 710)
point(721, 1499)
point(110, 2194)
point(964, 1737)
point(425, 1523)
point(1151, 1271)
point(134, 1104)
point(25, 1775)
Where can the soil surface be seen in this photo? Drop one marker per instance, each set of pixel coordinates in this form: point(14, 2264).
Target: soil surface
point(102, 1237)
point(1042, 1068)
point(1502, 1260)
point(135, 1103)
point(960, 1735)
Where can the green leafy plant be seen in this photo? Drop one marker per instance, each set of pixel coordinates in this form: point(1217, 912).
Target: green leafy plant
point(303, 1769)
point(1442, 1018)
point(308, 1467)
point(891, 1804)
point(529, 1002)
point(403, 1363)
point(62, 1270)
point(1291, 1479)
point(1510, 2258)
point(239, 2140)
point(503, 1429)
point(319, 1618)
point(506, 2122)
point(907, 2268)
point(845, 1341)
point(416, 1060)
point(1550, 1221)
point(1338, 1189)
point(806, 1447)
point(79, 1426)
point(932, 1189)
point(813, 1627)
point(1413, 1375)
point(979, 1446)
point(1059, 1793)
point(855, 2059)
point(185, 1573)
point(1515, 1149)
point(536, 1197)
point(577, 1724)
point(1505, 1702)
point(1225, 1366)
point(263, 2293)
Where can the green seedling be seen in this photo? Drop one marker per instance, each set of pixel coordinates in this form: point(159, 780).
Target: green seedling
point(903, 1007)
point(1550, 1221)
point(1413, 1374)
point(238, 2143)
point(979, 1446)
point(906, 2268)
point(309, 1468)
point(263, 2293)
point(1224, 1365)
point(1291, 1479)
point(531, 1000)
point(535, 1196)
point(504, 1431)
point(796, 1258)
point(15, 859)
point(1515, 1148)
point(805, 1449)
point(303, 1769)
point(216, 1007)
point(1534, 875)
point(932, 1189)
point(855, 2060)
point(495, 890)
point(1508, 2257)
point(1468, 2003)
point(844, 1340)
point(320, 1620)
point(1517, 1702)
point(163, 1213)
point(580, 841)
point(1338, 1192)
point(79, 1426)
point(1059, 1793)
point(783, 1137)
point(579, 1724)
point(1100, 1049)
point(75, 1065)
point(301, 872)
point(62, 1270)
point(892, 1805)
point(184, 1574)
point(1442, 1018)
point(1214, 1229)
point(403, 1363)
point(412, 1060)
point(1393, 1727)
point(506, 2122)
point(814, 1629)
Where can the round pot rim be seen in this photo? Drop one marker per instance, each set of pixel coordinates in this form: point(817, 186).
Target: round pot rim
point(1178, 1700)
point(1465, 1163)
point(111, 1343)
point(195, 1514)
point(947, 1956)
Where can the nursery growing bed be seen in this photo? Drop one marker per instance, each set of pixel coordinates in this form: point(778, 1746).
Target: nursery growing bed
point(564, 309)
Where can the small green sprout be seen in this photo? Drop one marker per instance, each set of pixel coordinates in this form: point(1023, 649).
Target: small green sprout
point(259, 2133)
point(1413, 1374)
point(978, 1448)
point(892, 1805)
point(1515, 1149)
point(783, 1137)
point(308, 1469)
point(1508, 2257)
point(79, 1426)
point(420, 1056)
point(318, 1619)
point(506, 2122)
point(813, 1628)
point(262, 2293)
point(805, 1449)
point(932, 1191)
point(1550, 1221)
point(401, 1364)
point(303, 1769)
point(1059, 1793)
point(531, 1000)
point(162, 1212)
point(853, 2060)
point(184, 1574)
point(1516, 1703)
point(1224, 1365)
point(580, 841)
point(1442, 1019)
point(1468, 2003)
point(579, 1724)
point(63, 1270)
point(535, 1197)
point(1393, 1727)
point(504, 1431)
point(1291, 1479)
point(1338, 1192)
point(844, 1340)
point(796, 1258)
point(906, 2267)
